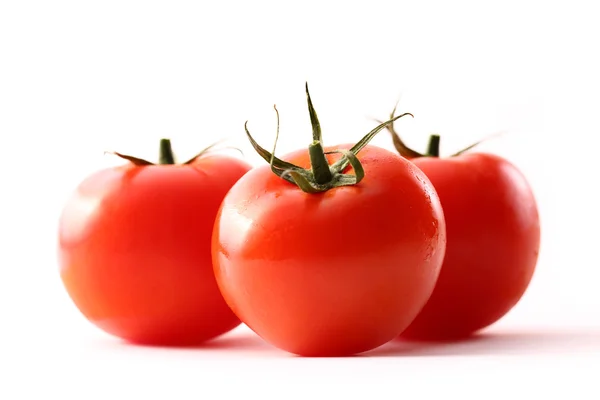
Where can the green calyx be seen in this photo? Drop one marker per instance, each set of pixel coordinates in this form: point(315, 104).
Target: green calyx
point(321, 176)
point(433, 148)
point(166, 156)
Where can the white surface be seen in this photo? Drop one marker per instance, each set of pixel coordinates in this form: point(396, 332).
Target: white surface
point(78, 78)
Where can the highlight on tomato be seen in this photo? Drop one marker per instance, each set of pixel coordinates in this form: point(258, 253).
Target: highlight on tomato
point(135, 248)
point(331, 251)
point(493, 233)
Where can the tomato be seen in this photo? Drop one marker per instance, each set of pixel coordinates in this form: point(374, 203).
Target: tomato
point(334, 264)
point(493, 232)
point(134, 249)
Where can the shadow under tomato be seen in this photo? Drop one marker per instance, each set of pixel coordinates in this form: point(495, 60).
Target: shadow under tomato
point(246, 342)
point(231, 341)
point(496, 343)
point(483, 344)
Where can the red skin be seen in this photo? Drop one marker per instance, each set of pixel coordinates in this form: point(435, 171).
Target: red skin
point(134, 250)
point(493, 233)
point(335, 273)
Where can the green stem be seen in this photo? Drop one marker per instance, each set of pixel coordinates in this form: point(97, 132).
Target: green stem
point(321, 176)
point(319, 164)
point(166, 156)
point(433, 150)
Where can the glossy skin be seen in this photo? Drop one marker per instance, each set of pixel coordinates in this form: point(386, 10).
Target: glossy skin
point(134, 250)
point(335, 273)
point(493, 233)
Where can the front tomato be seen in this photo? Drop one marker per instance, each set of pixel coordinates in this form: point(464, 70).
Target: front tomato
point(134, 249)
point(339, 267)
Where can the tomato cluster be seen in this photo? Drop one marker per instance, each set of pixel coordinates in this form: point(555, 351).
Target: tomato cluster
point(327, 252)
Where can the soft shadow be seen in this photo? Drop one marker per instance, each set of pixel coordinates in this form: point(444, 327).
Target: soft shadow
point(493, 343)
point(232, 342)
point(497, 343)
point(239, 342)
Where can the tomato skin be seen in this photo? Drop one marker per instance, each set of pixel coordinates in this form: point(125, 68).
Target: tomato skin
point(493, 232)
point(134, 250)
point(334, 273)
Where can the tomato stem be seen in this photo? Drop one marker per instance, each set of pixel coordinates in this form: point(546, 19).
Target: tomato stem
point(434, 142)
point(321, 176)
point(165, 155)
point(318, 163)
point(433, 150)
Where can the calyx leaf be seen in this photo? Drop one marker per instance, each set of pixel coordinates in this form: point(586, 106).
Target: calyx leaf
point(321, 176)
point(434, 142)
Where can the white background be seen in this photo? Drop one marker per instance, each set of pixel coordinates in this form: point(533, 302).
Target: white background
point(81, 77)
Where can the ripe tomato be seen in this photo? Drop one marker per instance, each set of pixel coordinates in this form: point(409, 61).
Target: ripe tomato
point(134, 249)
point(322, 263)
point(493, 233)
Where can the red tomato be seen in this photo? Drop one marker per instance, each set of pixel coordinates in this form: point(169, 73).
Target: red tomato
point(336, 272)
point(134, 250)
point(493, 233)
